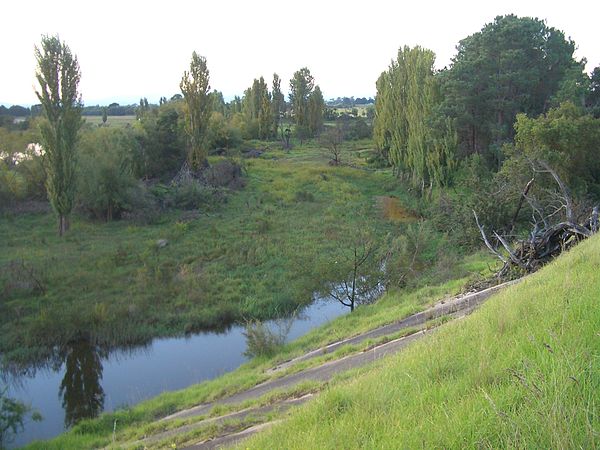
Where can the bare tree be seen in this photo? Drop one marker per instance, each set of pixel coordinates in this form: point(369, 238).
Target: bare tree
point(547, 239)
point(332, 139)
point(357, 271)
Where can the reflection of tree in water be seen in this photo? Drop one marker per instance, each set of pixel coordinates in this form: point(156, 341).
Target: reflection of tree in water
point(82, 394)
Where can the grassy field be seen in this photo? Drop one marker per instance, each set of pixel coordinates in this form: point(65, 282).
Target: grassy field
point(522, 372)
point(257, 256)
point(112, 121)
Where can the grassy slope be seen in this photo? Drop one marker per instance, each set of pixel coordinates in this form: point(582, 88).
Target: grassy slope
point(523, 371)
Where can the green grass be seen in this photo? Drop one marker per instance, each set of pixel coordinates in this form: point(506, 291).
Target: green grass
point(521, 372)
point(393, 306)
point(111, 121)
point(257, 256)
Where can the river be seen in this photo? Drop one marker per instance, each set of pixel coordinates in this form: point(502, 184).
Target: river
point(89, 381)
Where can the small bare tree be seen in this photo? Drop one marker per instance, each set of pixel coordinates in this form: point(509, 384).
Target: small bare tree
point(357, 271)
point(332, 139)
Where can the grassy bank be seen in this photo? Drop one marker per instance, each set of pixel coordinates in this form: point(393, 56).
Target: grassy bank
point(522, 372)
point(256, 256)
point(136, 421)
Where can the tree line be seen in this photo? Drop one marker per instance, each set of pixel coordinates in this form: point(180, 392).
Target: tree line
point(428, 121)
point(98, 167)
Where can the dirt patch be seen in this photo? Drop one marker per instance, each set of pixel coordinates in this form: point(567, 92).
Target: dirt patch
point(390, 208)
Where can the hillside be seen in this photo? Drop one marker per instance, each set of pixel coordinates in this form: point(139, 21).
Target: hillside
point(522, 371)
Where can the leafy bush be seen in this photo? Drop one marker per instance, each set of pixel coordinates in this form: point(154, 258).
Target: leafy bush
point(192, 195)
point(143, 207)
point(104, 180)
point(221, 134)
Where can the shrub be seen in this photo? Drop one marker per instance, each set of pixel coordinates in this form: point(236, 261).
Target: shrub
point(104, 181)
point(142, 205)
point(192, 194)
point(262, 340)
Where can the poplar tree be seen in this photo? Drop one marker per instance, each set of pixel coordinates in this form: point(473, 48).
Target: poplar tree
point(196, 93)
point(301, 86)
point(58, 75)
point(316, 106)
point(277, 103)
point(256, 106)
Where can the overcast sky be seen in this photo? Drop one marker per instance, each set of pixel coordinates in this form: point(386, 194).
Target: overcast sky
point(131, 49)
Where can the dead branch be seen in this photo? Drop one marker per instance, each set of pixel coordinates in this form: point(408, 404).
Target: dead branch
point(544, 242)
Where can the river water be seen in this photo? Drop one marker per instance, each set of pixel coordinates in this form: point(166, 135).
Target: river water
point(89, 381)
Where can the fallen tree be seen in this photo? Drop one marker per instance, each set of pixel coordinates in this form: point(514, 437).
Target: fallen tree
point(547, 240)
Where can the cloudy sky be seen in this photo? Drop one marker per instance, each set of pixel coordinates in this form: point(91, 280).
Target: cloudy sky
point(130, 49)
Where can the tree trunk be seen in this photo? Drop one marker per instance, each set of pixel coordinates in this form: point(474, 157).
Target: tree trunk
point(63, 224)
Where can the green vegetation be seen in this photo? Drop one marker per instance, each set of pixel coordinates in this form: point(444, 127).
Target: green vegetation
point(58, 75)
point(520, 372)
point(259, 255)
point(133, 421)
point(111, 121)
point(198, 213)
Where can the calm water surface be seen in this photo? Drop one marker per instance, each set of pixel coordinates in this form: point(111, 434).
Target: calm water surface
point(89, 382)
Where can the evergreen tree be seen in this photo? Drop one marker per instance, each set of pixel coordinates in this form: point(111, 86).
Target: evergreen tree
point(513, 65)
point(58, 75)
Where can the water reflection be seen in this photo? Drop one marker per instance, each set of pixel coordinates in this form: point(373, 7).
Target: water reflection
point(91, 378)
point(80, 389)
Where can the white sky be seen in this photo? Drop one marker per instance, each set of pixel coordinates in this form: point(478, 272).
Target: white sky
point(131, 49)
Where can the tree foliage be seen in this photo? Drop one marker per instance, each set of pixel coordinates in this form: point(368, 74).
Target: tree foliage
point(195, 89)
point(567, 139)
point(407, 125)
point(513, 65)
point(301, 86)
point(277, 103)
point(105, 179)
point(58, 76)
point(12, 417)
point(316, 109)
point(257, 109)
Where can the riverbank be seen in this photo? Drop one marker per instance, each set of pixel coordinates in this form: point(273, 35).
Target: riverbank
point(259, 255)
point(137, 421)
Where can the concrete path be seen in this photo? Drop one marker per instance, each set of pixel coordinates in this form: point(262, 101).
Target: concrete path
point(455, 307)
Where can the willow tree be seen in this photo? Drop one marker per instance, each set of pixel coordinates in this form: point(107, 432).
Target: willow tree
point(196, 93)
point(58, 76)
point(406, 106)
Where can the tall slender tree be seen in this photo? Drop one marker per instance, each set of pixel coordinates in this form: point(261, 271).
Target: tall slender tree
point(58, 75)
point(316, 107)
point(196, 93)
point(406, 120)
point(277, 103)
point(301, 86)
